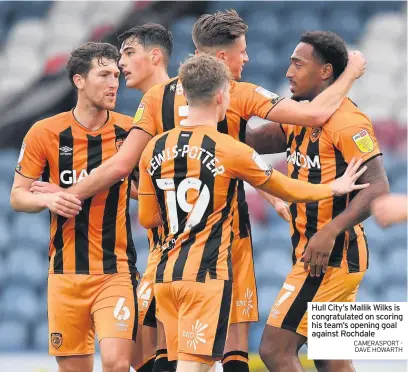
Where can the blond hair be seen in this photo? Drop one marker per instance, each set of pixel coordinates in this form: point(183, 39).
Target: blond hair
point(201, 76)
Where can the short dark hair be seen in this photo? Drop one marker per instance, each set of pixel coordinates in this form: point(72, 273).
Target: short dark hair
point(201, 75)
point(220, 28)
point(80, 60)
point(150, 35)
point(328, 47)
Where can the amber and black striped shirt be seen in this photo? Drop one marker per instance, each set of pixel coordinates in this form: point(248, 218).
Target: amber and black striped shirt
point(164, 106)
point(320, 156)
point(193, 172)
point(99, 239)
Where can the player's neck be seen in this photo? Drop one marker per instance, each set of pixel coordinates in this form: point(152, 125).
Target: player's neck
point(201, 116)
point(159, 77)
point(319, 89)
point(89, 116)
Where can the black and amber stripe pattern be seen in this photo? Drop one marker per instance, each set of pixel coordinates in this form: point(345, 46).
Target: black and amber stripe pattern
point(313, 157)
point(99, 239)
point(203, 250)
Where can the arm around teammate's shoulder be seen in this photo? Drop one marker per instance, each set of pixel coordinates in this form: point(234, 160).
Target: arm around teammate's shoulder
point(317, 112)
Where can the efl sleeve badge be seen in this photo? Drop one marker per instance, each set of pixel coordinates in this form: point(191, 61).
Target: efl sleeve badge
point(139, 113)
point(363, 141)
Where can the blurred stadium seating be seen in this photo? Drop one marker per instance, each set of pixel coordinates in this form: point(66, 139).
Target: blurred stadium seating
point(43, 33)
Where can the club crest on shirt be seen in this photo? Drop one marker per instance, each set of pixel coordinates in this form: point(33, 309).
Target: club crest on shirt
point(139, 113)
point(316, 132)
point(363, 141)
point(119, 142)
point(56, 340)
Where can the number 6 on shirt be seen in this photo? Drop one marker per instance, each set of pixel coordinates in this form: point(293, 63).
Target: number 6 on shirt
point(173, 198)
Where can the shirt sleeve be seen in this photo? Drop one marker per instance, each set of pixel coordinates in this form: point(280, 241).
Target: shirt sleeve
point(244, 163)
point(146, 117)
point(356, 138)
point(145, 181)
point(32, 158)
point(258, 100)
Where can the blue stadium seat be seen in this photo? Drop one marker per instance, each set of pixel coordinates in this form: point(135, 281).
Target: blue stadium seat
point(142, 254)
point(240, 6)
point(3, 32)
point(346, 23)
point(7, 243)
point(366, 294)
point(396, 293)
point(303, 20)
point(20, 303)
point(267, 295)
point(31, 9)
point(8, 164)
point(263, 26)
point(255, 336)
point(40, 342)
point(128, 100)
point(14, 335)
point(25, 265)
point(183, 27)
point(376, 265)
point(31, 229)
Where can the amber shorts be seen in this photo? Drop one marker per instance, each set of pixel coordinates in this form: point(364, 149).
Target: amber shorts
point(290, 308)
point(195, 317)
point(245, 297)
point(80, 305)
point(145, 294)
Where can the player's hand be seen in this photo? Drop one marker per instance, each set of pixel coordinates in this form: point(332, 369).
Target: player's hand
point(317, 252)
point(357, 62)
point(389, 209)
point(63, 204)
point(282, 209)
point(38, 187)
point(347, 182)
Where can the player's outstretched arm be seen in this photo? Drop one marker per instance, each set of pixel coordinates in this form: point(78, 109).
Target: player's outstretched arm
point(297, 191)
point(114, 169)
point(149, 209)
point(22, 200)
point(319, 248)
point(390, 209)
point(281, 208)
point(317, 112)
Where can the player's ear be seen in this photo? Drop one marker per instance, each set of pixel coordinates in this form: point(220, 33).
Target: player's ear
point(219, 97)
point(79, 81)
point(327, 71)
point(156, 55)
point(221, 54)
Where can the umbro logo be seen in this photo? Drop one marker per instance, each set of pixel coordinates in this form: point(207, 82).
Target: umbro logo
point(65, 150)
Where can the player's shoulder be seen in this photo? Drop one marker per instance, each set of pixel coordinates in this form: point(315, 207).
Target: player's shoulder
point(348, 115)
point(227, 145)
point(56, 123)
point(246, 89)
point(121, 120)
point(241, 86)
point(156, 91)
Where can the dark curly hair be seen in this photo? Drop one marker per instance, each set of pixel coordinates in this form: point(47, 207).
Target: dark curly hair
point(328, 47)
point(80, 60)
point(151, 35)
